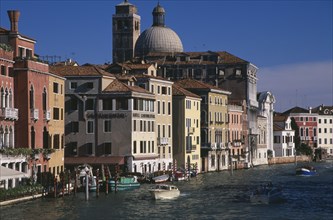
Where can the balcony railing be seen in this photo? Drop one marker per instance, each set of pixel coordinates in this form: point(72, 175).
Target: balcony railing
point(9, 113)
point(191, 130)
point(162, 141)
point(34, 114)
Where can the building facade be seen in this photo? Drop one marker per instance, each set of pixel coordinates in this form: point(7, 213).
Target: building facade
point(186, 129)
point(284, 137)
point(325, 128)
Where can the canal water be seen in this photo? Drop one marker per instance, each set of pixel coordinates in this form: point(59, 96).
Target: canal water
point(218, 195)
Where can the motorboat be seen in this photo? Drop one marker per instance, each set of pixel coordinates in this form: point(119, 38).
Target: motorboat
point(306, 171)
point(161, 178)
point(85, 170)
point(266, 194)
point(164, 191)
point(124, 183)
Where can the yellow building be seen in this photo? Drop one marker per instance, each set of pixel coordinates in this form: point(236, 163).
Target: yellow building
point(55, 115)
point(186, 128)
point(214, 123)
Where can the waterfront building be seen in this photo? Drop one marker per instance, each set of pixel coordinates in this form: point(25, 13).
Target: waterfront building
point(325, 128)
point(266, 102)
point(145, 77)
point(53, 113)
point(236, 134)
point(82, 141)
point(186, 128)
point(31, 86)
point(307, 124)
point(284, 137)
point(259, 151)
point(214, 126)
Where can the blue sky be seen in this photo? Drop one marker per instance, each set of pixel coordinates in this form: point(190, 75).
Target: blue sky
point(289, 41)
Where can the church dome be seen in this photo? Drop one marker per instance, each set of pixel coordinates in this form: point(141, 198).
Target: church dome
point(158, 38)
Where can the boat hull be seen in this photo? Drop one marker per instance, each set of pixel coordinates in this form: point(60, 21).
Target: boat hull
point(305, 172)
point(164, 192)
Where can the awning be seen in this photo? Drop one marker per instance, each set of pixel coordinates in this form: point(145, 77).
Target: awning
point(94, 160)
point(7, 173)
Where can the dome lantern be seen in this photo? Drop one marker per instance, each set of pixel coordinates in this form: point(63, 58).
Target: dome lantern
point(158, 16)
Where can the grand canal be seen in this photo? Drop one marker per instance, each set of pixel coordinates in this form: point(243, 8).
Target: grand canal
point(219, 195)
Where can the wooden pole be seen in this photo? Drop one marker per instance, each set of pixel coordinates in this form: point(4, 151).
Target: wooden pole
point(97, 183)
point(87, 187)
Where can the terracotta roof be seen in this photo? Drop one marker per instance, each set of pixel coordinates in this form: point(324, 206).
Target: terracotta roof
point(117, 86)
point(195, 84)
point(195, 57)
point(79, 71)
point(295, 110)
point(277, 128)
point(94, 160)
point(179, 91)
point(280, 118)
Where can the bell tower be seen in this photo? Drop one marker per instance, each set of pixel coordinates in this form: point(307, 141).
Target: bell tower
point(125, 31)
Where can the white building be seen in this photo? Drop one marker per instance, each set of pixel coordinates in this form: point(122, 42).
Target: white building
point(325, 128)
point(284, 137)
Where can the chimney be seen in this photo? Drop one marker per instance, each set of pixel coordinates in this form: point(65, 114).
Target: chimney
point(14, 18)
point(310, 110)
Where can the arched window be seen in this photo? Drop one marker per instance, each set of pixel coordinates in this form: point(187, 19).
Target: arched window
point(2, 98)
point(44, 100)
point(10, 97)
point(32, 137)
point(32, 97)
point(6, 98)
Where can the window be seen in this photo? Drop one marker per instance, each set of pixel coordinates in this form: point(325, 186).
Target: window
point(107, 126)
point(169, 108)
point(152, 88)
point(90, 127)
point(73, 104)
point(74, 126)
point(158, 107)
point(89, 148)
point(3, 70)
point(158, 89)
point(89, 85)
point(107, 148)
point(134, 125)
point(164, 90)
point(188, 104)
point(107, 104)
point(56, 141)
point(73, 85)
point(55, 87)
point(90, 104)
point(56, 113)
point(134, 147)
point(163, 107)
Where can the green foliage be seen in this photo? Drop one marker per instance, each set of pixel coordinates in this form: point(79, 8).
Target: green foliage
point(304, 149)
point(16, 151)
point(295, 127)
point(20, 191)
point(6, 47)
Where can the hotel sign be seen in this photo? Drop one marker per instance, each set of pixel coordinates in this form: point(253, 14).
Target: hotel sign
point(106, 115)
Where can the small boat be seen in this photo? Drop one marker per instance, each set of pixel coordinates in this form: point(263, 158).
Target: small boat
point(124, 183)
point(305, 171)
point(180, 176)
point(85, 170)
point(266, 194)
point(161, 178)
point(164, 191)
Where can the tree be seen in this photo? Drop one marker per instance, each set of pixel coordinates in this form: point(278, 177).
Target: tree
point(295, 127)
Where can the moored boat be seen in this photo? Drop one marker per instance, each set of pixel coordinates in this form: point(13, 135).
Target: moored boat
point(124, 183)
point(161, 179)
point(306, 171)
point(164, 191)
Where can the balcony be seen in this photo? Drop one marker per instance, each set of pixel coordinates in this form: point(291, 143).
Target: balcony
point(290, 144)
point(190, 130)
point(9, 113)
point(213, 146)
point(162, 141)
point(34, 114)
